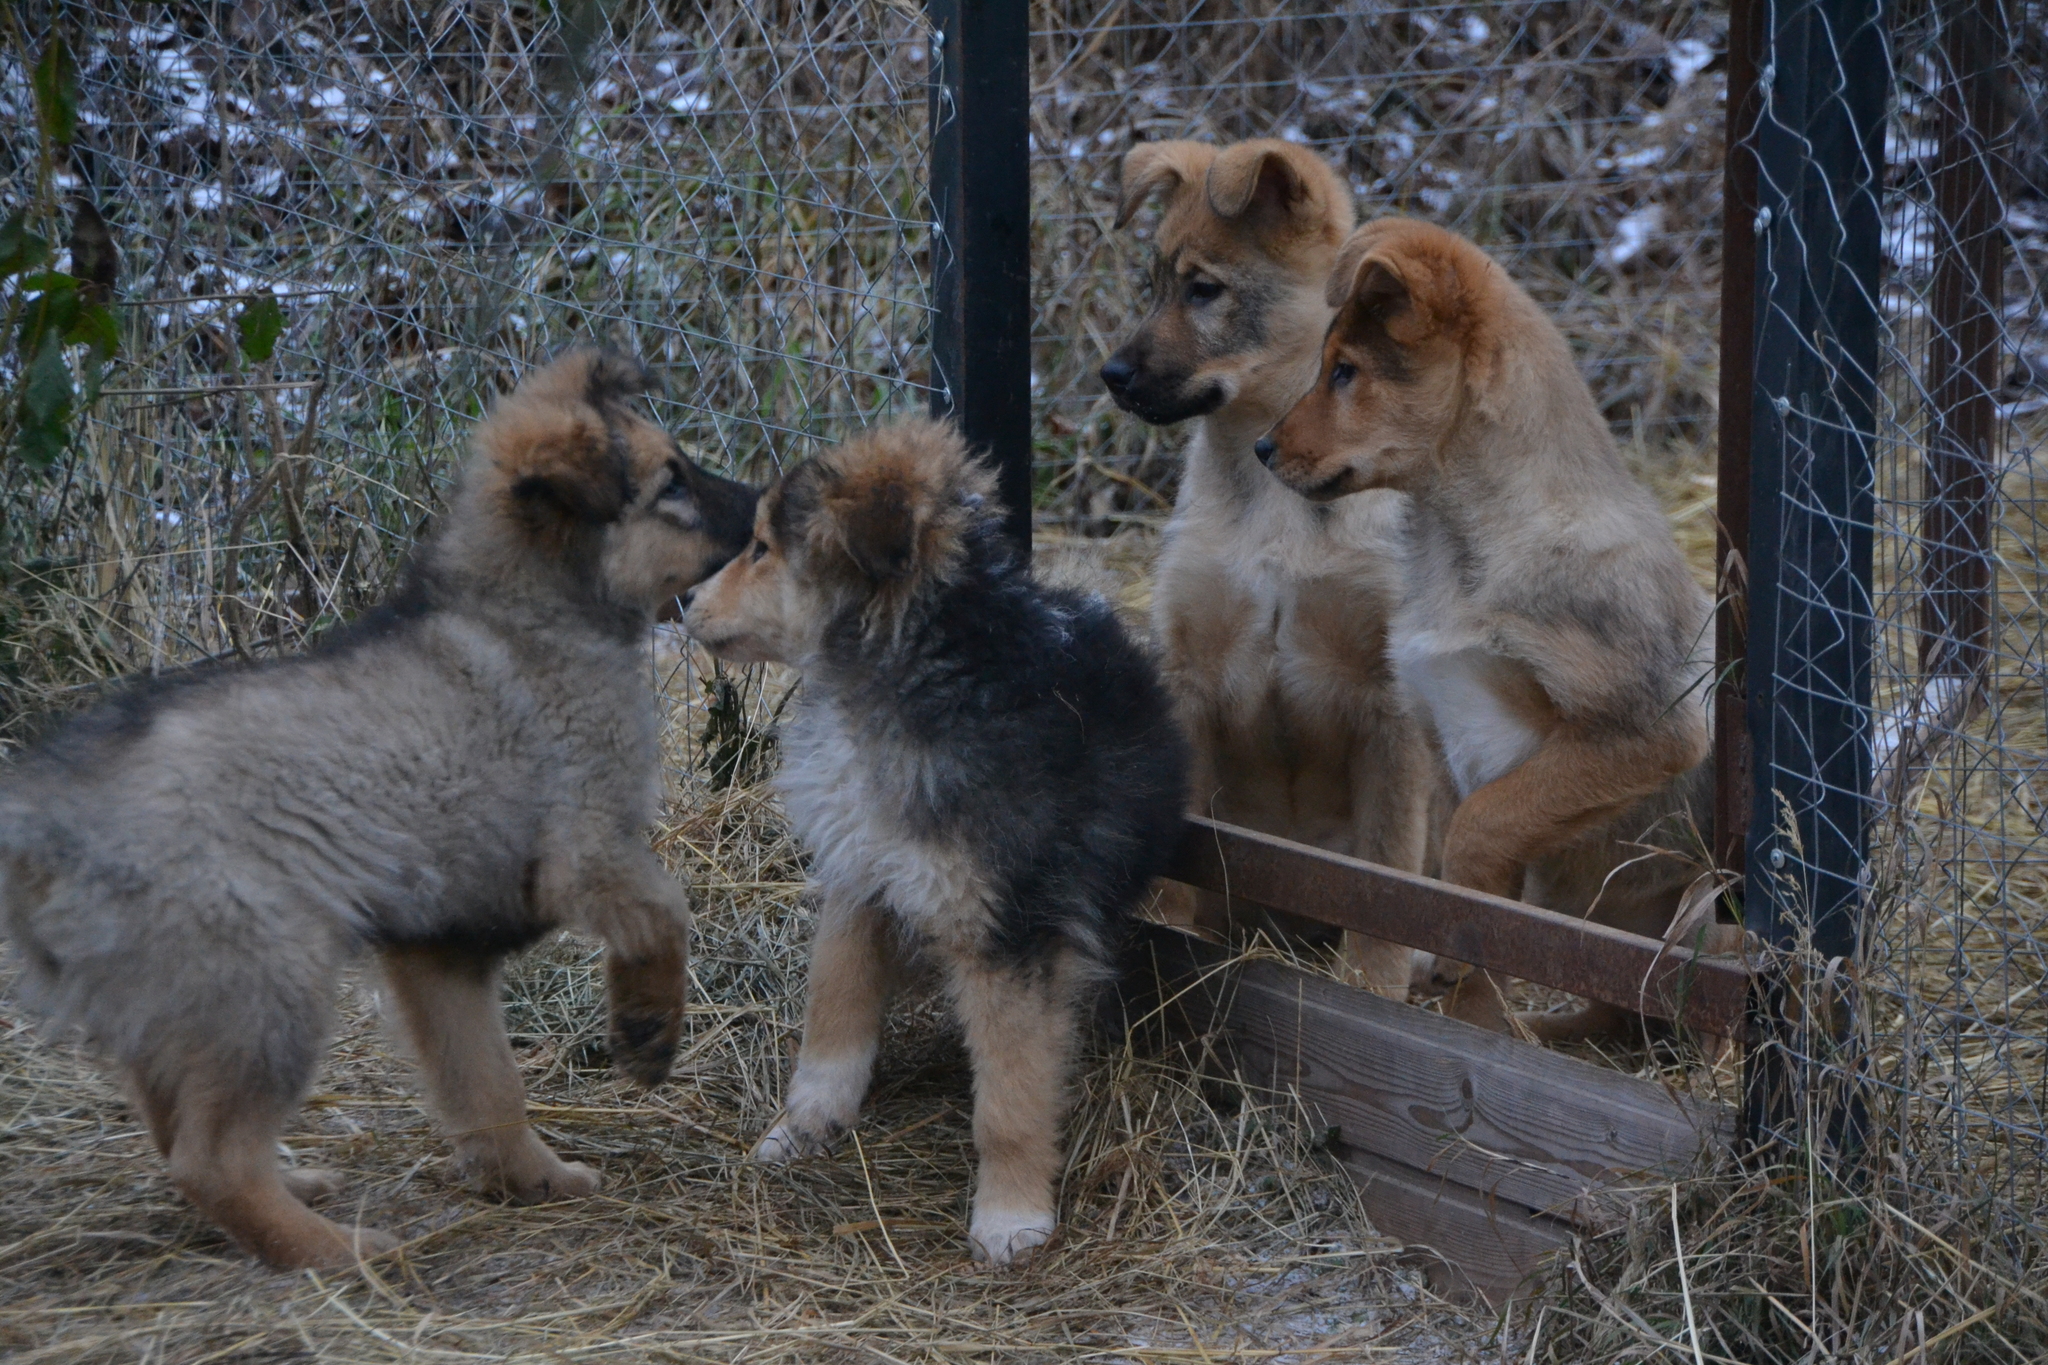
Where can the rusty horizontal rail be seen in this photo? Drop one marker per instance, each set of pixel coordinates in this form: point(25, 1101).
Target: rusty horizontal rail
point(1592, 960)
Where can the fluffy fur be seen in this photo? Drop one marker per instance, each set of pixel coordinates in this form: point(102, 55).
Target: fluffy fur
point(1549, 621)
point(185, 870)
point(984, 769)
point(1272, 613)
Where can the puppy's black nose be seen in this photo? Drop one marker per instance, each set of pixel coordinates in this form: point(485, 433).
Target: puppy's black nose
point(1265, 450)
point(1118, 374)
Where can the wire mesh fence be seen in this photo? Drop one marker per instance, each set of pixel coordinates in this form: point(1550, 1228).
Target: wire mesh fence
point(1580, 143)
point(329, 230)
point(1898, 855)
point(332, 229)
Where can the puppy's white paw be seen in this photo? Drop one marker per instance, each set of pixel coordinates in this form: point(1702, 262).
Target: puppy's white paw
point(1007, 1236)
point(787, 1142)
point(310, 1184)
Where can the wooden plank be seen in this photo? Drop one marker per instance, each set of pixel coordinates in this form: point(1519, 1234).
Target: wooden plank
point(1471, 1245)
point(1514, 1122)
point(1592, 960)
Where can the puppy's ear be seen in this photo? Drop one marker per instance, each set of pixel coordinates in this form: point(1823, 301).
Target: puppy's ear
point(880, 523)
point(569, 496)
point(1152, 166)
point(614, 377)
point(559, 464)
point(1371, 277)
point(1278, 181)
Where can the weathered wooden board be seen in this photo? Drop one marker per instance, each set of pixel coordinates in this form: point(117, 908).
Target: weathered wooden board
point(1470, 1244)
point(1515, 1123)
point(1642, 974)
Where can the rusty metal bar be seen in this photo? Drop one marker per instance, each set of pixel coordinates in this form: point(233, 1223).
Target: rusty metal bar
point(1732, 797)
point(1637, 973)
point(1963, 350)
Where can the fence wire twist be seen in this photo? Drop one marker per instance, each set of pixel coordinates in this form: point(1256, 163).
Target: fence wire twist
point(1908, 533)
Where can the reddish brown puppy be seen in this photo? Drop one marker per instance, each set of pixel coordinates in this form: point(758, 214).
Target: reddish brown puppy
point(1549, 623)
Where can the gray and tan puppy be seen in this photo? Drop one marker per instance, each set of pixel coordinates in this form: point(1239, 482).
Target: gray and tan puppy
point(185, 870)
point(1549, 621)
point(1271, 612)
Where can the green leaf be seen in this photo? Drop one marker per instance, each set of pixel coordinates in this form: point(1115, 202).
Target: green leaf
point(20, 249)
point(46, 397)
point(51, 313)
point(56, 82)
point(46, 389)
point(260, 323)
point(95, 327)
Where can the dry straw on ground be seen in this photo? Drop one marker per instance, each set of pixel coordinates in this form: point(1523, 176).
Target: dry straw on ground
point(739, 196)
point(1195, 1228)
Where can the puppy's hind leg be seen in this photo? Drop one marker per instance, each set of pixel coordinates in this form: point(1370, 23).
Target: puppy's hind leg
point(1021, 1031)
point(1393, 776)
point(223, 1157)
point(448, 1004)
point(853, 967)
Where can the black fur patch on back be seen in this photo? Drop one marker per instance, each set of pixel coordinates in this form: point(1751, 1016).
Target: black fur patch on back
point(1050, 746)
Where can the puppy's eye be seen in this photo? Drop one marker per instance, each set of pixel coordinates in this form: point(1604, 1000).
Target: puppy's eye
point(677, 486)
point(1342, 373)
point(760, 548)
point(1202, 291)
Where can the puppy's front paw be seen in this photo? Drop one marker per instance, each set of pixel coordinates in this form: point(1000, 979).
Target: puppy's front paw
point(311, 1184)
point(789, 1140)
point(647, 995)
point(529, 1175)
point(1003, 1237)
point(643, 1046)
point(564, 1180)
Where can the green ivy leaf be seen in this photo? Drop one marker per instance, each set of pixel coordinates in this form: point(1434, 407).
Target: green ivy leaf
point(52, 313)
point(20, 249)
point(95, 327)
point(46, 397)
point(260, 323)
point(56, 84)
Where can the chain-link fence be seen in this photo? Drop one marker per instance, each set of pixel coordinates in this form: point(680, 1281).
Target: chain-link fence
point(1897, 636)
point(1581, 143)
point(322, 233)
point(328, 231)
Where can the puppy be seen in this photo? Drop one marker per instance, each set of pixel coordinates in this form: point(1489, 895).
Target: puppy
point(1271, 612)
point(185, 870)
point(1549, 622)
point(984, 769)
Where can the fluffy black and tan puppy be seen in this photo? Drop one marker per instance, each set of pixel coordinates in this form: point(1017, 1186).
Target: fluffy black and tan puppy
point(185, 870)
point(984, 769)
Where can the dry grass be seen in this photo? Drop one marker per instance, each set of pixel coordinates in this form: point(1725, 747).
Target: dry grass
point(1196, 1227)
point(752, 216)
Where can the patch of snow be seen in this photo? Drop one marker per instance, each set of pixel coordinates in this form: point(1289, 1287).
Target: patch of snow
point(1687, 57)
point(1633, 235)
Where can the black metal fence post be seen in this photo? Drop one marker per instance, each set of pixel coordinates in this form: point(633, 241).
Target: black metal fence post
point(981, 241)
point(1822, 90)
point(1964, 350)
point(1732, 798)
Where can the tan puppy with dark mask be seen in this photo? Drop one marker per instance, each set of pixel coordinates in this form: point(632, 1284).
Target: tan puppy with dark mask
point(1271, 611)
